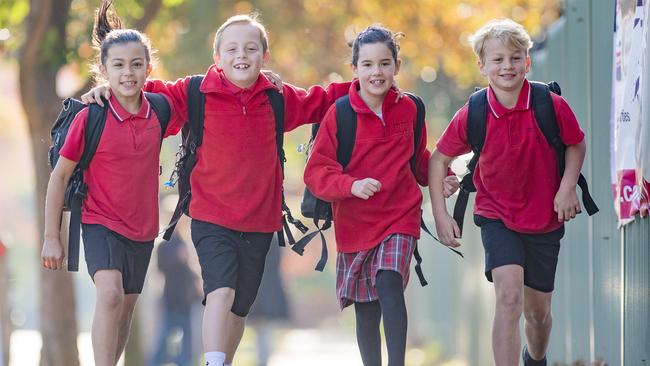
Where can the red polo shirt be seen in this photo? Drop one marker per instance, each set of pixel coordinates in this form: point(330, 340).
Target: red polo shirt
point(517, 174)
point(122, 177)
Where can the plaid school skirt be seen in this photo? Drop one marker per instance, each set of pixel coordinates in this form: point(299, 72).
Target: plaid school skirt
point(356, 272)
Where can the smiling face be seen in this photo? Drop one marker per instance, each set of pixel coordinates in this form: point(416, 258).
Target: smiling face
point(241, 54)
point(504, 67)
point(126, 69)
point(376, 68)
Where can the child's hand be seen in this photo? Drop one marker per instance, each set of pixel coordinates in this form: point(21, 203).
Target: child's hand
point(450, 185)
point(566, 204)
point(365, 188)
point(447, 230)
point(52, 255)
point(273, 78)
point(95, 94)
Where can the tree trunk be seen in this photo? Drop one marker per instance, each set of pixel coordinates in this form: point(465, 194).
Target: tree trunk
point(40, 58)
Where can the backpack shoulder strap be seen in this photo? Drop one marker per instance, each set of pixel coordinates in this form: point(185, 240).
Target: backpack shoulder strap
point(277, 104)
point(477, 119)
point(476, 131)
point(162, 109)
point(93, 132)
point(96, 120)
point(195, 109)
point(346, 130)
point(419, 126)
point(542, 104)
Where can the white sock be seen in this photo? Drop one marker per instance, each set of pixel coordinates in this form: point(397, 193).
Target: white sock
point(215, 358)
point(227, 364)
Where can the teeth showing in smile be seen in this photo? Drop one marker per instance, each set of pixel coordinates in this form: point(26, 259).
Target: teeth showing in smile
point(128, 83)
point(241, 67)
point(377, 82)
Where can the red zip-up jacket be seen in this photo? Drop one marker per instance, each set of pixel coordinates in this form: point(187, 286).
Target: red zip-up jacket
point(237, 180)
point(381, 151)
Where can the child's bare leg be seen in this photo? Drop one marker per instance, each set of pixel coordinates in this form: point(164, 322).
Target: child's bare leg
point(509, 289)
point(125, 323)
point(216, 319)
point(537, 311)
point(236, 326)
point(108, 307)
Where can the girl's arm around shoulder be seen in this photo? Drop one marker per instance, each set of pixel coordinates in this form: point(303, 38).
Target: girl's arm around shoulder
point(309, 106)
point(324, 175)
point(52, 254)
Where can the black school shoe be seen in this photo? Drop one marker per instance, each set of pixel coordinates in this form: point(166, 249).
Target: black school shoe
point(528, 361)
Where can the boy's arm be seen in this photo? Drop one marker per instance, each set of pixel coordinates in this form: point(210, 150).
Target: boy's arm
point(446, 227)
point(566, 202)
point(52, 254)
point(324, 174)
point(309, 106)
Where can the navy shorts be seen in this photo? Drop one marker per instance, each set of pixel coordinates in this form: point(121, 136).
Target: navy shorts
point(106, 249)
point(537, 254)
point(231, 259)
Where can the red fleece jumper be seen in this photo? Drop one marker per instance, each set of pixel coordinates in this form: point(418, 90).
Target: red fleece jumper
point(382, 151)
point(237, 180)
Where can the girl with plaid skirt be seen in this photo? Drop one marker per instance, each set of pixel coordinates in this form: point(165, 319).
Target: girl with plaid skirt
point(375, 198)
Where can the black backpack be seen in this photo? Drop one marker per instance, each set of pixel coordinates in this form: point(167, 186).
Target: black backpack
point(317, 209)
point(192, 138)
point(76, 190)
point(542, 104)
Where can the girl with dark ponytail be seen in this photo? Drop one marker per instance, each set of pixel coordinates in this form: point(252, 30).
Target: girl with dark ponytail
point(120, 211)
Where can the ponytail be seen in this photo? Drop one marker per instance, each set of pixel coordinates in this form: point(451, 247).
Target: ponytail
point(105, 21)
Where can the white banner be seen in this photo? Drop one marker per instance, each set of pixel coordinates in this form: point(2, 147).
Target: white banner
point(630, 131)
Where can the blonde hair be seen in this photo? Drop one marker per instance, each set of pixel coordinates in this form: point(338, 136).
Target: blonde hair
point(511, 33)
point(252, 19)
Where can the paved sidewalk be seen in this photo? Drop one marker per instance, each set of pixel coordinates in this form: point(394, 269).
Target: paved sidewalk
point(316, 348)
point(300, 347)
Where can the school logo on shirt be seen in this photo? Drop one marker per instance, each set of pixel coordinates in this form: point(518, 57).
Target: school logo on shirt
point(401, 127)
